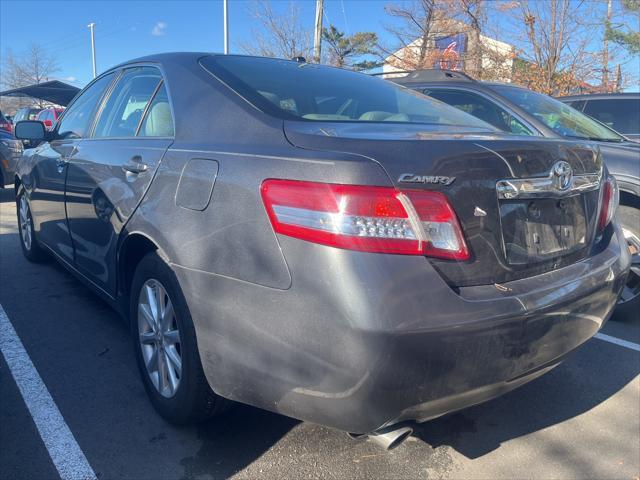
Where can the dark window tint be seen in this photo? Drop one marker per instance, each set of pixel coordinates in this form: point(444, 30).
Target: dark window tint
point(158, 121)
point(623, 115)
point(123, 111)
point(480, 107)
point(310, 92)
point(78, 117)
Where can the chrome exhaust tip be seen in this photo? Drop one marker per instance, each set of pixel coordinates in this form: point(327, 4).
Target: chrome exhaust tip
point(392, 438)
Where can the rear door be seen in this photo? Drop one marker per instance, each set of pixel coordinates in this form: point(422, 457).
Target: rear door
point(49, 169)
point(112, 169)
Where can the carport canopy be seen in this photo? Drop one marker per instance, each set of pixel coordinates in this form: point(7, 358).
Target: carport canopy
point(54, 91)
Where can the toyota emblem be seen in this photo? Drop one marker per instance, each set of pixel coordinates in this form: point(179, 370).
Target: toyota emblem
point(563, 174)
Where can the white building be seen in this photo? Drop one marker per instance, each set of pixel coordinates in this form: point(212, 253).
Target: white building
point(450, 47)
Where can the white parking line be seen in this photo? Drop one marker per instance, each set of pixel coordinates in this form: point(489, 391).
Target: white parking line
point(618, 341)
point(63, 449)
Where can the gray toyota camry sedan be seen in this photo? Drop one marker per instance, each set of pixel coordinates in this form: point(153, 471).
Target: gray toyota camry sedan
point(318, 242)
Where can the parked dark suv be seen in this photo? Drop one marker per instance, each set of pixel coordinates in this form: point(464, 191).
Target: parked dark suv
point(520, 111)
point(318, 242)
point(620, 111)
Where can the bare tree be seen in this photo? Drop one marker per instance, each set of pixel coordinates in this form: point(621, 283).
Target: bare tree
point(423, 21)
point(279, 35)
point(555, 40)
point(35, 65)
point(472, 13)
point(410, 47)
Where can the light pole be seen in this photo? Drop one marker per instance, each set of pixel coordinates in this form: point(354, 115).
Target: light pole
point(317, 37)
point(93, 48)
point(226, 26)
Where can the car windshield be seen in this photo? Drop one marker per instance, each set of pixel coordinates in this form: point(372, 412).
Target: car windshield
point(311, 92)
point(562, 119)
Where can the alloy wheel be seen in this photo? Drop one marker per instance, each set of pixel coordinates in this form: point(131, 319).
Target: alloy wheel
point(159, 338)
point(631, 289)
point(25, 223)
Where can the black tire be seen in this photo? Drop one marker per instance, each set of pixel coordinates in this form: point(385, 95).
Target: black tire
point(628, 309)
point(193, 400)
point(31, 249)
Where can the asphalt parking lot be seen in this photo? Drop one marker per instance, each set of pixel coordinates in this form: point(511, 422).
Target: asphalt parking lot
point(582, 420)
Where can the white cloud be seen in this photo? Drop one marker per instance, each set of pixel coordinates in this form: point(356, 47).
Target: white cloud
point(159, 29)
point(70, 79)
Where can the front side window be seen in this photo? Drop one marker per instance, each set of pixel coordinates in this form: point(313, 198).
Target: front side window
point(623, 115)
point(77, 118)
point(482, 108)
point(311, 92)
point(561, 118)
point(123, 111)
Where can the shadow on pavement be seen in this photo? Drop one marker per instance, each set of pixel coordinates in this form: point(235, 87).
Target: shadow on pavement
point(234, 440)
point(584, 381)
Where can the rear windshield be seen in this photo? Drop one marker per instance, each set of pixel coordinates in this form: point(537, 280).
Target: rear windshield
point(562, 119)
point(311, 92)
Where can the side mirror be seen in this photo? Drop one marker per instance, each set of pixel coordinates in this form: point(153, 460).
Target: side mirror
point(31, 130)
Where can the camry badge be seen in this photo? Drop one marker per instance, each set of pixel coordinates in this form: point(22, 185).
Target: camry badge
point(412, 178)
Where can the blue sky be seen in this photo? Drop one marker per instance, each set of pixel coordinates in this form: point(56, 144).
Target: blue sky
point(129, 29)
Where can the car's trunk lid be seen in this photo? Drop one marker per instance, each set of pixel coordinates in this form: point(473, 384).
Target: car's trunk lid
point(541, 228)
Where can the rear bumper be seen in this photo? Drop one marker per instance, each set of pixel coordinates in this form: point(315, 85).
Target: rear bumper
point(362, 341)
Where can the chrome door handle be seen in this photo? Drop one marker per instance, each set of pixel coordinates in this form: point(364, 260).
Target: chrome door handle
point(61, 162)
point(135, 165)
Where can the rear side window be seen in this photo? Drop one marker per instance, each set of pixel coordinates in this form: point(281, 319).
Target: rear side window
point(623, 115)
point(158, 121)
point(127, 103)
point(77, 119)
point(482, 108)
point(311, 92)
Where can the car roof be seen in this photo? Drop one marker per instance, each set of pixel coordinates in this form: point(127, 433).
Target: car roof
point(601, 96)
point(181, 57)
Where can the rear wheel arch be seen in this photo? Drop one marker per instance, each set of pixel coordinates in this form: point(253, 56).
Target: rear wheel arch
point(629, 199)
point(133, 249)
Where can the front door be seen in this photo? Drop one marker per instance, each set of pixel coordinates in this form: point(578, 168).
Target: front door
point(46, 186)
point(45, 189)
point(112, 169)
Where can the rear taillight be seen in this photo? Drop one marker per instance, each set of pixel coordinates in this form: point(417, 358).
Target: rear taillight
point(370, 219)
point(610, 200)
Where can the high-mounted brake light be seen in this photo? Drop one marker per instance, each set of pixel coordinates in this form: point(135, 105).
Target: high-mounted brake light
point(369, 219)
point(610, 200)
